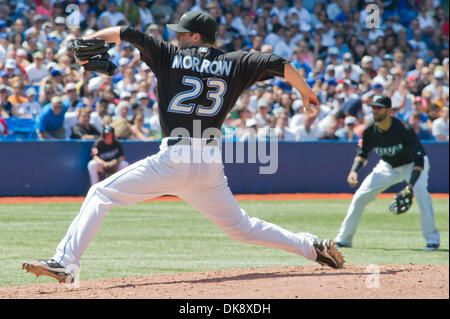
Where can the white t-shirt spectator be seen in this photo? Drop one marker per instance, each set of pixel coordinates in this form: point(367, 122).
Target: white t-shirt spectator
point(304, 136)
point(286, 135)
point(304, 18)
point(114, 17)
point(425, 21)
point(32, 108)
point(272, 39)
point(440, 127)
point(283, 49)
point(146, 16)
point(36, 74)
point(281, 15)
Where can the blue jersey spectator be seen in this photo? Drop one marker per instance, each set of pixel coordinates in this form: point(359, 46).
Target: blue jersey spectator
point(51, 120)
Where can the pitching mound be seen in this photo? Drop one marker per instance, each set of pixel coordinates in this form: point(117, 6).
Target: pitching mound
point(307, 282)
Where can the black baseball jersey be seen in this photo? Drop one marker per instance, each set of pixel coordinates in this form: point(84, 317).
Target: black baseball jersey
point(198, 86)
point(107, 152)
point(399, 145)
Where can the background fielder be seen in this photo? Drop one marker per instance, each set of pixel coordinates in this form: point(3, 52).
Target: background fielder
point(403, 158)
point(196, 82)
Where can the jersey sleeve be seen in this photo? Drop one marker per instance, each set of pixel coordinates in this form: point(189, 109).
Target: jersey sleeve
point(364, 145)
point(258, 66)
point(153, 51)
point(413, 144)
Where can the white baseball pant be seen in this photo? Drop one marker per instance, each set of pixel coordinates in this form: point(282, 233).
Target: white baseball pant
point(201, 184)
point(382, 177)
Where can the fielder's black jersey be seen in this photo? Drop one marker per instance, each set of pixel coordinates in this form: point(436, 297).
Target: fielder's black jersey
point(198, 84)
point(399, 145)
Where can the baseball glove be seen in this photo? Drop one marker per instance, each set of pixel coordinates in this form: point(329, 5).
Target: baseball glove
point(95, 52)
point(402, 201)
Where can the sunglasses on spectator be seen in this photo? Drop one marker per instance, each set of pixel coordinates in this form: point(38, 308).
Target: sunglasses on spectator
point(377, 107)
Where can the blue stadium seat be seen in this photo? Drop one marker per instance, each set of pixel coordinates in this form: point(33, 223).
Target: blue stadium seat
point(24, 128)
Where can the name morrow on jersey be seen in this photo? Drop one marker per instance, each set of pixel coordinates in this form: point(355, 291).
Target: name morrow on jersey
point(202, 65)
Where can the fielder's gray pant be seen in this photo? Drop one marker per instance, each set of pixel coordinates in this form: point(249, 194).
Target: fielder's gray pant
point(382, 177)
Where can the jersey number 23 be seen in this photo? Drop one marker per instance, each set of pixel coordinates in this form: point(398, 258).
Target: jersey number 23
point(216, 90)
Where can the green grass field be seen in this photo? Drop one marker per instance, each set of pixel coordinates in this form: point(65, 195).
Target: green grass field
point(168, 237)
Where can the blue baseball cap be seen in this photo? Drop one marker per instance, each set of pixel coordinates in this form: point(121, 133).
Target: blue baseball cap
point(3, 23)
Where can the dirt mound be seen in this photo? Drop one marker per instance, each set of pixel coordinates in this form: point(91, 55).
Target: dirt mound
point(311, 282)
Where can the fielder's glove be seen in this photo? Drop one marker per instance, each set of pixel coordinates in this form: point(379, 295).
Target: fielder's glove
point(402, 201)
point(96, 52)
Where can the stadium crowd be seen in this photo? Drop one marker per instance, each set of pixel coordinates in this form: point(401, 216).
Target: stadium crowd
point(346, 53)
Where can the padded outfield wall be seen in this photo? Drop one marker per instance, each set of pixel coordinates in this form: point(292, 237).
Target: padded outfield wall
point(59, 168)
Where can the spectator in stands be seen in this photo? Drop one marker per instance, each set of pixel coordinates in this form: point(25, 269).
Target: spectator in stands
point(18, 97)
point(282, 130)
point(120, 123)
point(107, 157)
point(437, 87)
point(440, 126)
point(347, 132)
point(307, 131)
point(84, 130)
point(111, 17)
point(51, 120)
point(420, 129)
point(31, 108)
point(5, 105)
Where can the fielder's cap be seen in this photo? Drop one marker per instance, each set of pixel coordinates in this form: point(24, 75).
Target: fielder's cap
point(439, 73)
point(142, 95)
point(350, 120)
point(30, 92)
point(108, 129)
point(381, 100)
point(197, 22)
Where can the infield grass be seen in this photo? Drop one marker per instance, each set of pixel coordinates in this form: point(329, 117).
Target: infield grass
point(168, 237)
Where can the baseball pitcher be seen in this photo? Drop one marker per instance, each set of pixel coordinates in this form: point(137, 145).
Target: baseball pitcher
point(197, 84)
point(403, 158)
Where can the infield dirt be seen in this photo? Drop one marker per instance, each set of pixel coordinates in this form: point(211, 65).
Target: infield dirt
point(306, 282)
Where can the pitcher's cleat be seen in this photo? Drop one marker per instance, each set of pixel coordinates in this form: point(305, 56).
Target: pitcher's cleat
point(48, 267)
point(328, 254)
